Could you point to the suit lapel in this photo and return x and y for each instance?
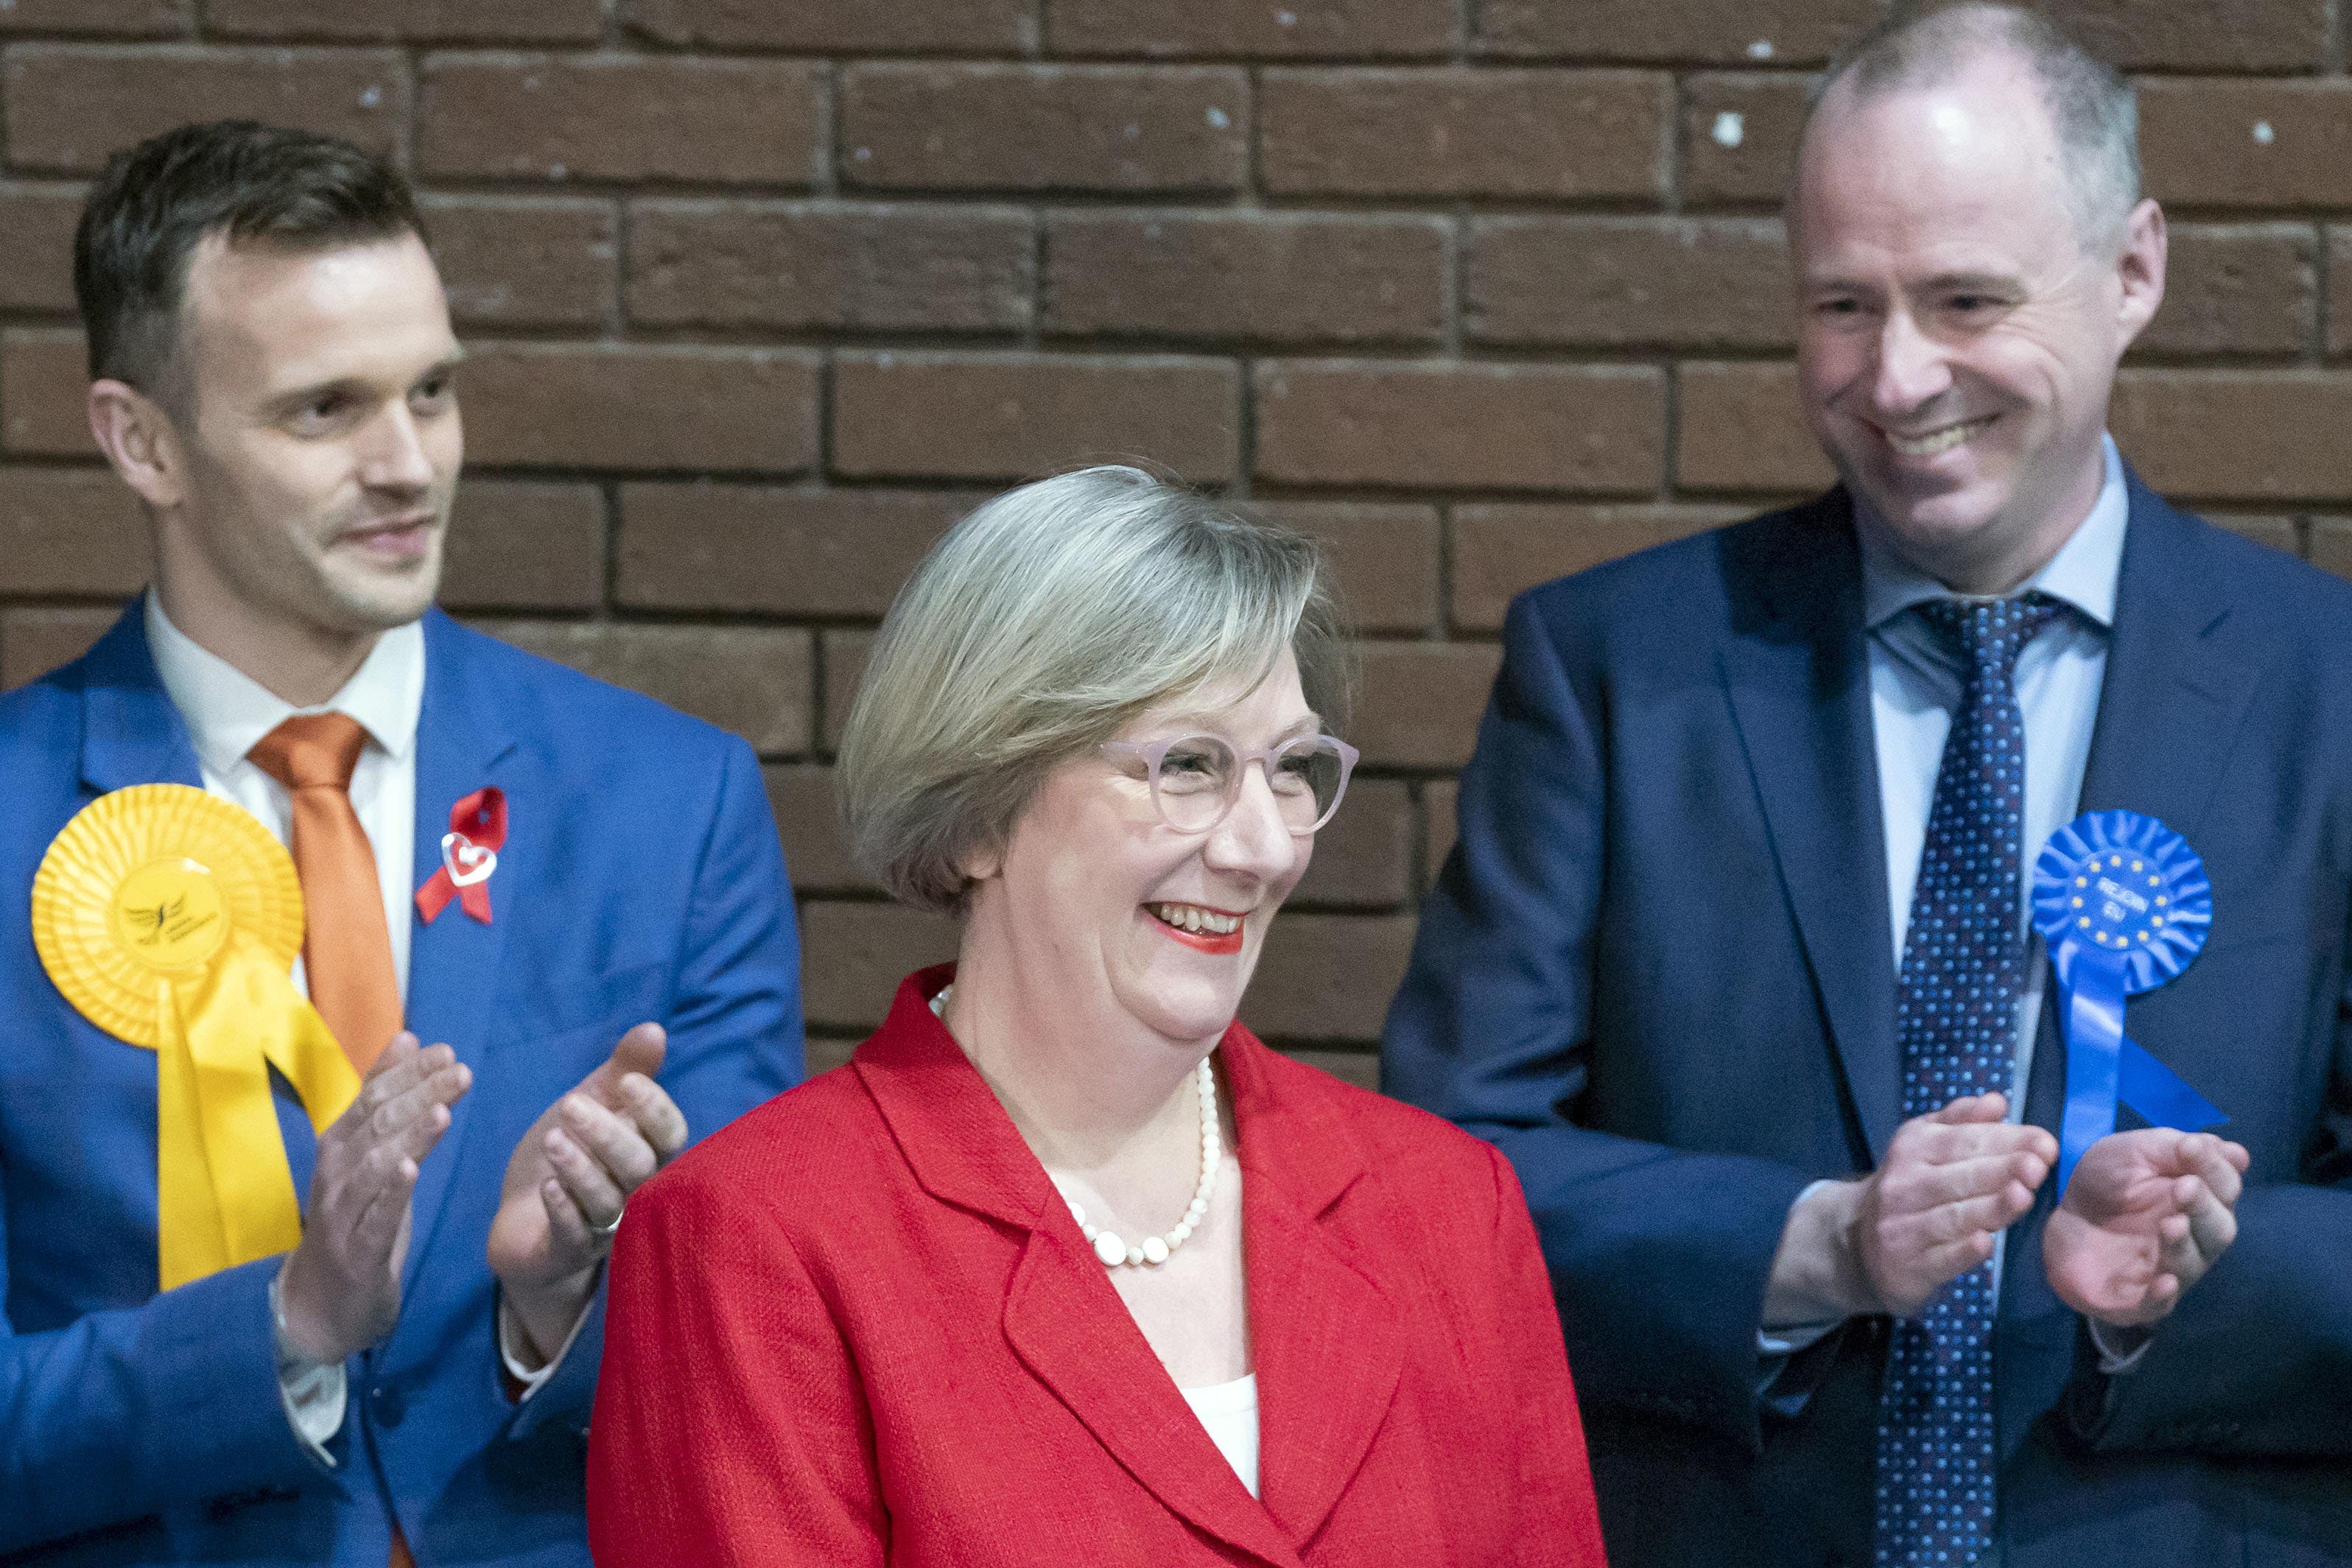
(131, 732)
(1062, 1316)
(453, 964)
(1323, 1338)
(2173, 695)
(1797, 676)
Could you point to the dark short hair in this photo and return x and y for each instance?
(2092, 107)
(244, 180)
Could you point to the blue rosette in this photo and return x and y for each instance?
(2123, 902)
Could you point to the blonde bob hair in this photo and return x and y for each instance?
(1035, 630)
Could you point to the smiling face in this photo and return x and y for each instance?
(1957, 338)
(319, 433)
(1112, 908)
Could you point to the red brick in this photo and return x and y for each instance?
(752, 680)
(44, 394)
(1569, 135)
(1364, 856)
(1739, 138)
(1383, 557)
(116, 18)
(2251, 436)
(2250, 145)
(70, 105)
(2331, 544)
(1360, 1067)
(1421, 702)
(411, 21)
(1009, 416)
(829, 26)
(519, 261)
(815, 851)
(1252, 30)
(517, 544)
(37, 230)
(1784, 32)
(1043, 128)
(803, 266)
(844, 654)
(853, 957)
(1328, 977)
(635, 408)
(1500, 427)
(1501, 550)
(1625, 282)
(2237, 289)
(1281, 278)
(613, 117)
(1743, 428)
(1439, 802)
(70, 532)
(771, 550)
(2191, 35)
(33, 642)
(2339, 291)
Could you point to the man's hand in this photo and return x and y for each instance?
(2146, 1214)
(567, 1179)
(340, 1290)
(1952, 1181)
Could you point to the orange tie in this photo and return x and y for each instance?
(346, 947)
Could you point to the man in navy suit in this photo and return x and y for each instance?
(572, 896)
(1733, 958)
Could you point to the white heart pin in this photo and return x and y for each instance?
(467, 861)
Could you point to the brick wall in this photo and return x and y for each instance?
(762, 292)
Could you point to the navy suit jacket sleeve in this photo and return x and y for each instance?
(734, 1024)
(138, 1409)
(1649, 1247)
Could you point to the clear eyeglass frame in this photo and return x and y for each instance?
(1153, 755)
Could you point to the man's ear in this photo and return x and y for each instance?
(2141, 267)
(139, 440)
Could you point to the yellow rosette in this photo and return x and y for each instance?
(170, 920)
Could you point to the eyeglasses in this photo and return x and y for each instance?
(1196, 779)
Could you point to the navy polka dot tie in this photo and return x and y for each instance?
(1955, 1015)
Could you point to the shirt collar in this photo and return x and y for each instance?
(227, 711)
(2082, 574)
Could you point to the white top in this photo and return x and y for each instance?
(1229, 1411)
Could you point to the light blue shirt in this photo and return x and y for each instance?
(1915, 686)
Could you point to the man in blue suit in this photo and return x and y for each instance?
(574, 894)
(1733, 960)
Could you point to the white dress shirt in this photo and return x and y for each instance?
(1916, 684)
(227, 713)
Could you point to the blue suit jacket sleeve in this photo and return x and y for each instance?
(125, 1413)
(734, 1022)
(1659, 1257)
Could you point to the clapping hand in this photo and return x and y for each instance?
(2146, 1214)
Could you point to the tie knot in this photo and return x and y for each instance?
(311, 751)
(1989, 631)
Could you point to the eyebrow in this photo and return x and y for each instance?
(1308, 724)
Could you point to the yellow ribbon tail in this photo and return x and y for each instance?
(225, 1193)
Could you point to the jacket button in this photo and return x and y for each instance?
(388, 1404)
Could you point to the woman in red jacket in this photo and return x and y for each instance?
(1065, 1266)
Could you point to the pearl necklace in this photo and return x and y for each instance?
(1154, 1250)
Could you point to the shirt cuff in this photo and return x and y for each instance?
(315, 1393)
(513, 1344)
(2120, 1349)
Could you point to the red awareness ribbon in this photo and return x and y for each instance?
(469, 854)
